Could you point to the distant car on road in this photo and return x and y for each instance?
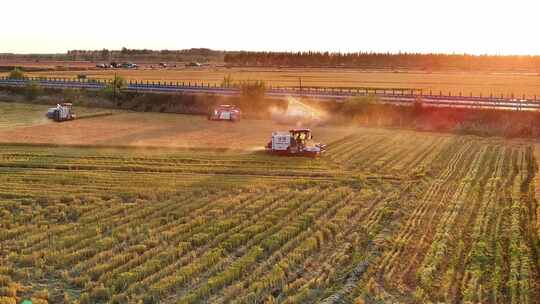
(163, 64)
(193, 64)
(129, 65)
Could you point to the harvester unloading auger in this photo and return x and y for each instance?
(296, 142)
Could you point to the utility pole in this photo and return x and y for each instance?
(114, 88)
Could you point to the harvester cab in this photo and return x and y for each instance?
(296, 142)
(225, 112)
(62, 112)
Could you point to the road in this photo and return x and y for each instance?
(323, 94)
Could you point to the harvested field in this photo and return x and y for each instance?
(158, 130)
(15, 115)
(47, 64)
(384, 216)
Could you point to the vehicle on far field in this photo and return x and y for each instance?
(129, 65)
(225, 112)
(163, 64)
(296, 142)
(62, 112)
(193, 64)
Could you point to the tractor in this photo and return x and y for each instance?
(62, 112)
(296, 142)
(225, 112)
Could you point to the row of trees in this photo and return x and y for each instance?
(201, 54)
(384, 60)
(306, 59)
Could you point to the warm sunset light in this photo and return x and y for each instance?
(462, 26)
(269, 152)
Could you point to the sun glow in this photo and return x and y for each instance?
(476, 27)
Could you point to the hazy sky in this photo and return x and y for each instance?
(495, 27)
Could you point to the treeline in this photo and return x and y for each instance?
(368, 60)
(198, 54)
(384, 60)
(37, 57)
(105, 55)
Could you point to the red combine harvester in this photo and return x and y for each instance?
(225, 112)
(296, 142)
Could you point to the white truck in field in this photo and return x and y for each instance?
(62, 112)
(296, 142)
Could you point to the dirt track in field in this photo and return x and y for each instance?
(159, 130)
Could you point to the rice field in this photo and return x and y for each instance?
(16, 115)
(384, 216)
(26, 124)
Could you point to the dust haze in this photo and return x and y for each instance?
(298, 114)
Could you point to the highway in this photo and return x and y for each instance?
(322, 94)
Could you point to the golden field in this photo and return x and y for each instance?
(454, 82)
(87, 215)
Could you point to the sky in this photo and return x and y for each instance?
(439, 26)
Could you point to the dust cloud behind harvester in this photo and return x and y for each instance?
(298, 113)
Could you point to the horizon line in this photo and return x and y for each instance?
(282, 51)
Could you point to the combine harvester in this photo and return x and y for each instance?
(296, 142)
(225, 112)
(62, 112)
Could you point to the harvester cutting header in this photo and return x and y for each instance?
(296, 142)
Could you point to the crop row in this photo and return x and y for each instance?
(457, 223)
(471, 233)
(390, 153)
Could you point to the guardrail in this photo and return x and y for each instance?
(396, 96)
